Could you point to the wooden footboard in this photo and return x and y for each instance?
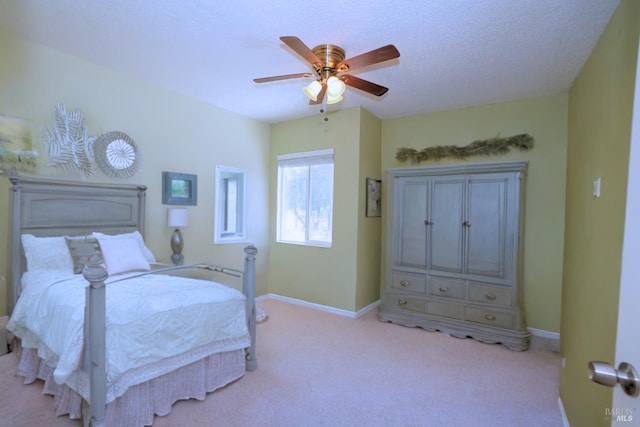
(94, 362)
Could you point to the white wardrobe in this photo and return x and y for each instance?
(454, 251)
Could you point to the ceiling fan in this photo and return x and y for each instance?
(331, 70)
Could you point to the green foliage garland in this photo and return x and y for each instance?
(490, 146)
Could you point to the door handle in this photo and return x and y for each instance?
(625, 375)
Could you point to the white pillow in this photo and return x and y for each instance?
(46, 253)
(148, 255)
(122, 255)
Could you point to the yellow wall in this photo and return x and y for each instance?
(546, 120)
(369, 228)
(173, 132)
(339, 276)
(317, 274)
(326, 276)
(600, 109)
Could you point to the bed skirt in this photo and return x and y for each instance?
(138, 405)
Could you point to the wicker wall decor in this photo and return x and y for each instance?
(70, 148)
(117, 155)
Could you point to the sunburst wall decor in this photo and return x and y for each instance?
(117, 155)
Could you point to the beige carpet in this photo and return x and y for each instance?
(320, 369)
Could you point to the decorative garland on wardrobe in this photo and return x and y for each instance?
(491, 146)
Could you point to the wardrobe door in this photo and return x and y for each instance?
(446, 218)
(413, 229)
(486, 226)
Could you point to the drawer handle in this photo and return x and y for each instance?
(490, 296)
(490, 317)
(443, 289)
(405, 283)
(402, 302)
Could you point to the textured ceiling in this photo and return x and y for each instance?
(454, 53)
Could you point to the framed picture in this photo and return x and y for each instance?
(179, 188)
(16, 148)
(374, 198)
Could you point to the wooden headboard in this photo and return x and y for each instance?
(53, 207)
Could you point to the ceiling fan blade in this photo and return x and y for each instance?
(375, 56)
(282, 77)
(301, 49)
(364, 85)
(320, 97)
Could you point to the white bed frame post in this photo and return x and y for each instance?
(95, 343)
(248, 288)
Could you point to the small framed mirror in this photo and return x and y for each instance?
(230, 209)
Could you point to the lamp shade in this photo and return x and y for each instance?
(177, 217)
(334, 99)
(313, 90)
(335, 87)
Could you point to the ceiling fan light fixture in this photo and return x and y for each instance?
(330, 67)
(335, 87)
(334, 99)
(312, 90)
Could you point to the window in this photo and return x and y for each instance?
(229, 226)
(305, 198)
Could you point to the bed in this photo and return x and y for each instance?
(109, 331)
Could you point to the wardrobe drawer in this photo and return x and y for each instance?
(500, 319)
(444, 309)
(401, 301)
(446, 287)
(498, 295)
(408, 281)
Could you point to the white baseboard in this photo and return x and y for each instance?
(565, 420)
(544, 334)
(545, 339)
(326, 308)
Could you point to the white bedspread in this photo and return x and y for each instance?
(155, 324)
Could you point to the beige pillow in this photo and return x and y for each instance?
(81, 248)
